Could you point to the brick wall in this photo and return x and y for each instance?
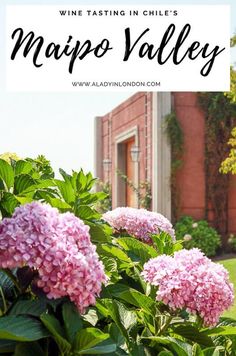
(191, 176)
(137, 111)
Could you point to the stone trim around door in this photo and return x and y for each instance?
(119, 198)
(161, 164)
(98, 148)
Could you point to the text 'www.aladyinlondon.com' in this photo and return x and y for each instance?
(121, 84)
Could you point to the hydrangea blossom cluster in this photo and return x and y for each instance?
(139, 223)
(191, 281)
(58, 246)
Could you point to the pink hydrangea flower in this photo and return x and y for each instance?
(191, 281)
(58, 246)
(139, 223)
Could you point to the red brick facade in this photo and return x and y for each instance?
(191, 176)
(134, 112)
(137, 112)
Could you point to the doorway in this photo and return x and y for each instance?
(124, 193)
(130, 194)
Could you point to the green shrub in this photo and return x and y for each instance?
(232, 242)
(105, 204)
(198, 234)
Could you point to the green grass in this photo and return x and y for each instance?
(230, 265)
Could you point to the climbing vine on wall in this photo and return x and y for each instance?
(176, 138)
(220, 118)
(142, 191)
(219, 121)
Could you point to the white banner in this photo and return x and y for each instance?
(110, 48)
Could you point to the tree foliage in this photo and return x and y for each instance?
(229, 164)
(232, 93)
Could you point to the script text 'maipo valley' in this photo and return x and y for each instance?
(76, 50)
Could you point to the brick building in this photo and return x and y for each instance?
(136, 126)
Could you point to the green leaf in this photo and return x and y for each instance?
(131, 296)
(213, 351)
(87, 339)
(136, 349)
(119, 352)
(40, 184)
(67, 177)
(66, 190)
(23, 200)
(6, 173)
(165, 353)
(111, 268)
(81, 181)
(103, 348)
(53, 325)
(29, 307)
(6, 284)
(116, 335)
(196, 350)
(112, 251)
(99, 196)
(97, 232)
(55, 303)
(123, 317)
(84, 212)
(22, 183)
(110, 265)
(221, 330)
(137, 250)
(90, 181)
(57, 203)
(23, 167)
(192, 333)
(226, 321)
(163, 242)
(177, 246)
(175, 345)
(7, 346)
(9, 202)
(29, 349)
(88, 198)
(21, 328)
(2, 186)
(72, 320)
(101, 307)
(73, 180)
(91, 316)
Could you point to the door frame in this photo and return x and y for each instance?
(120, 162)
(161, 161)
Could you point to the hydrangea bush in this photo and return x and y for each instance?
(58, 247)
(74, 282)
(191, 281)
(139, 223)
(198, 234)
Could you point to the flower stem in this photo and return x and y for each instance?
(3, 301)
(166, 325)
(199, 322)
